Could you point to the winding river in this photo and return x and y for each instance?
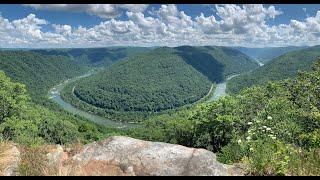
(54, 95)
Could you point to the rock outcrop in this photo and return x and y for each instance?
(128, 156)
(125, 156)
(9, 161)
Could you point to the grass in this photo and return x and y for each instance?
(34, 161)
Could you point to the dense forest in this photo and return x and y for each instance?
(282, 67)
(27, 116)
(264, 55)
(38, 72)
(27, 123)
(149, 82)
(216, 62)
(272, 129)
(95, 56)
(163, 79)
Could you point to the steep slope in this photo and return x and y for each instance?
(96, 56)
(163, 79)
(216, 62)
(149, 82)
(264, 55)
(38, 72)
(282, 67)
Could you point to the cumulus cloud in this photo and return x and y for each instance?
(101, 10)
(229, 25)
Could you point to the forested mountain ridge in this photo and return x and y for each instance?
(38, 72)
(282, 67)
(149, 82)
(272, 129)
(162, 79)
(95, 56)
(216, 62)
(264, 55)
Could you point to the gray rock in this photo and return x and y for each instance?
(128, 156)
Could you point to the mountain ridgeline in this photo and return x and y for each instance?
(264, 55)
(38, 72)
(162, 79)
(96, 56)
(282, 67)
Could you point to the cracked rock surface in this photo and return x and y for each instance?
(120, 155)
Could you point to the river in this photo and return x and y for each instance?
(54, 95)
(221, 89)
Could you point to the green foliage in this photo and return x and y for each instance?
(282, 67)
(27, 123)
(272, 129)
(154, 82)
(143, 84)
(96, 56)
(12, 97)
(264, 55)
(38, 72)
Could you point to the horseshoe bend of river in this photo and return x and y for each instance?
(54, 95)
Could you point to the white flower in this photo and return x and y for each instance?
(239, 141)
(248, 138)
(258, 121)
(268, 129)
(269, 118)
(264, 127)
(249, 123)
(273, 137)
(251, 149)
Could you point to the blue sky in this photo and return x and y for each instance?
(153, 25)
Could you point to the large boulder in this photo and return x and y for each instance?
(128, 156)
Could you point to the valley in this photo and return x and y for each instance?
(183, 81)
(168, 95)
(54, 95)
(160, 89)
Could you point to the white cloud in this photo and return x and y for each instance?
(101, 10)
(230, 25)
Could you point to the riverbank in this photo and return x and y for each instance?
(220, 90)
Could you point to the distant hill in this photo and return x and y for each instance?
(282, 67)
(216, 62)
(38, 72)
(264, 55)
(95, 56)
(162, 79)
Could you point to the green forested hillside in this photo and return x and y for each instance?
(162, 79)
(264, 55)
(26, 123)
(96, 56)
(38, 72)
(282, 67)
(216, 62)
(149, 82)
(272, 129)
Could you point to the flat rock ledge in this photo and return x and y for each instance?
(123, 156)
